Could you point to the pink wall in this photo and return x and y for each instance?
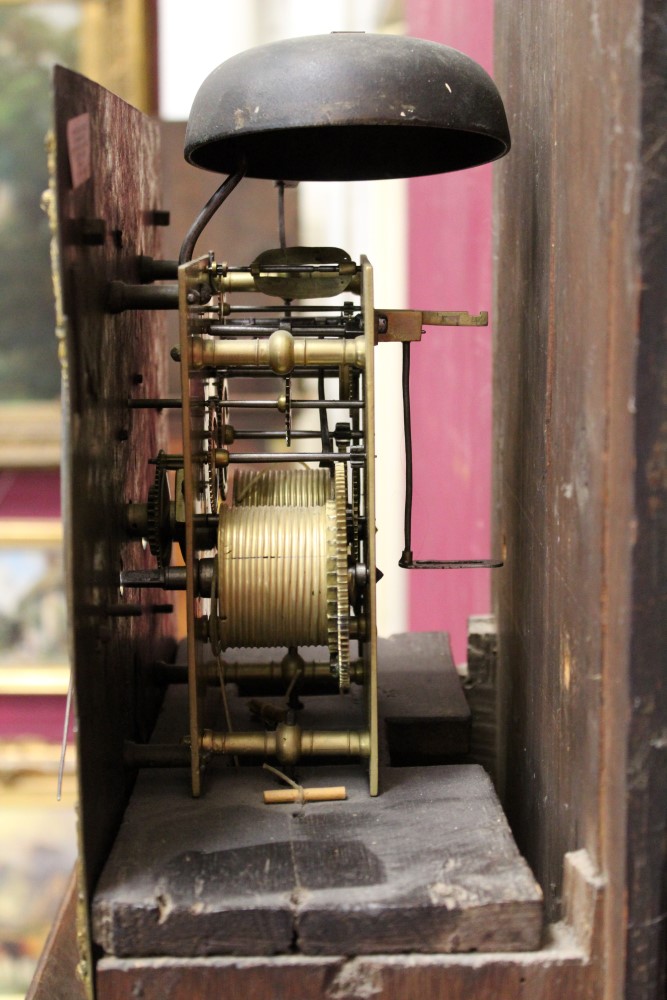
(39, 717)
(450, 268)
(29, 493)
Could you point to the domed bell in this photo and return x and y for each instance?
(347, 106)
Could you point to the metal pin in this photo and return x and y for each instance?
(63, 746)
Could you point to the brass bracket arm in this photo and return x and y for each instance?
(401, 326)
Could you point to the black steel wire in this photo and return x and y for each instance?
(325, 433)
(406, 557)
(207, 213)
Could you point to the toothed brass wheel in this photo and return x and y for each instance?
(158, 516)
(338, 600)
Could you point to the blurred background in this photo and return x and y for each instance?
(430, 242)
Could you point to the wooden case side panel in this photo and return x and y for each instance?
(567, 301)
(646, 971)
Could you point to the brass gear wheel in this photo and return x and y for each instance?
(338, 600)
(158, 516)
(213, 479)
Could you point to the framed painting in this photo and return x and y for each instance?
(37, 854)
(33, 613)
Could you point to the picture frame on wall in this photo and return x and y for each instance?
(33, 613)
(30, 435)
(38, 846)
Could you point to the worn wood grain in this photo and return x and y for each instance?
(580, 458)
(429, 865)
(481, 692)
(566, 322)
(559, 970)
(424, 715)
(568, 964)
(105, 222)
(646, 972)
(56, 977)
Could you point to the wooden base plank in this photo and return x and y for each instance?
(568, 964)
(424, 715)
(558, 970)
(429, 866)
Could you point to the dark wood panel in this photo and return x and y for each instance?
(554, 975)
(481, 692)
(647, 744)
(55, 977)
(579, 458)
(561, 968)
(424, 716)
(428, 866)
(106, 220)
(564, 360)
